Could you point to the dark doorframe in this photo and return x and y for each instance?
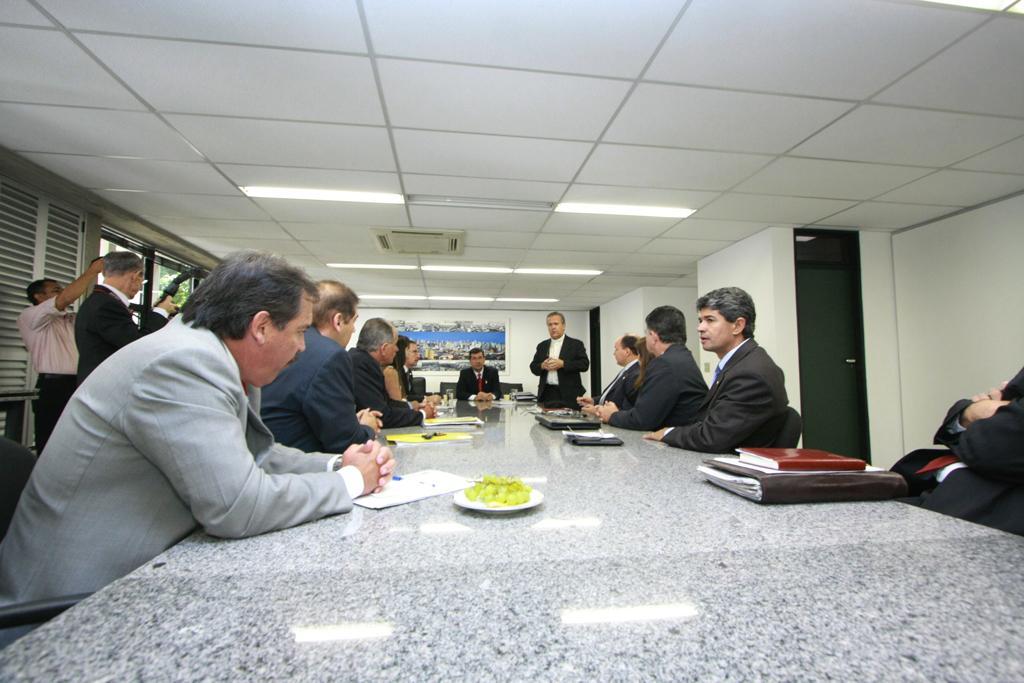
(830, 329)
(595, 355)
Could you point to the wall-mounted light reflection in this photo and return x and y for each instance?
(350, 631)
(617, 615)
(443, 528)
(571, 523)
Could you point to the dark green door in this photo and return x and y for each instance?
(830, 332)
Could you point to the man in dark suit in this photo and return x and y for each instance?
(622, 390)
(673, 388)
(479, 381)
(747, 402)
(981, 477)
(558, 362)
(376, 347)
(311, 404)
(104, 323)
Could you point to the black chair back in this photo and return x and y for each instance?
(16, 463)
(509, 387)
(789, 434)
(448, 386)
(419, 386)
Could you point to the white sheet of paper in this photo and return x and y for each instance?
(413, 487)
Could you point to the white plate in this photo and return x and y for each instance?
(536, 498)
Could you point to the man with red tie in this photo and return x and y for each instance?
(981, 477)
(478, 382)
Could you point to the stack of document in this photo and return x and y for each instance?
(448, 421)
(592, 438)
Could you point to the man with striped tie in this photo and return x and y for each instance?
(621, 390)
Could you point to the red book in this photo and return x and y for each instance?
(799, 459)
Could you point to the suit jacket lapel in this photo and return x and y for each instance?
(740, 354)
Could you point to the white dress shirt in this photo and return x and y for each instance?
(553, 352)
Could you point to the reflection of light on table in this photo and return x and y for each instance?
(618, 615)
(401, 530)
(350, 631)
(571, 523)
(443, 528)
(534, 480)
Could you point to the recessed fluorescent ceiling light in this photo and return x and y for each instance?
(466, 269)
(555, 271)
(995, 5)
(625, 210)
(381, 266)
(322, 195)
(409, 297)
(538, 301)
(460, 298)
(477, 202)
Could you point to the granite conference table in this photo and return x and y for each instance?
(633, 568)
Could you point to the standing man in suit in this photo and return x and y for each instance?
(981, 477)
(558, 362)
(104, 323)
(622, 389)
(168, 438)
(311, 405)
(478, 382)
(375, 348)
(47, 328)
(747, 402)
(673, 388)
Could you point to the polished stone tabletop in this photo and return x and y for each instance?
(633, 568)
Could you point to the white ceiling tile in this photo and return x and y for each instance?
(482, 188)
(623, 244)
(196, 227)
(314, 24)
(753, 207)
(482, 100)
(956, 188)
(649, 196)
(70, 130)
(509, 256)
(323, 179)
(20, 12)
(285, 143)
(488, 155)
(668, 168)
(835, 179)
(552, 258)
(1008, 158)
(201, 78)
(886, 216)
(953, 79)
(499, 240)
(34, 67)
(157, 204)
(435, 277)
(355, 237)
(464, 287)
(615, 38)
(703, 229)
(343, 213)
(589, 224)
(908, 136)
(684, 247)
(840, 48)
(633, 281)
(640, 262)
(105, 173)
(225, 245)
(675, 269)
(703, 118)
(476, 219)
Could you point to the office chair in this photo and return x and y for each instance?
(419, 386)
(448, 386)
(789, 433)
(16, 463)
(510, 387)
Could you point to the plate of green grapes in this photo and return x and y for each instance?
(493, 493)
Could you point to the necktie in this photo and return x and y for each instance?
(611, 384)
(937, 464)
(718, 371)
(480, 381)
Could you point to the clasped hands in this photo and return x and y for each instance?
(374, 462)
(552, 364)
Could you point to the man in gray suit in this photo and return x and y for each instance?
(166, 436)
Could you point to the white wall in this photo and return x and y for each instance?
(959, 304)
(763, 265)
(525, 329)
(881, 351)
(627, 313)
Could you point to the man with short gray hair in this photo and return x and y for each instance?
(167, 438)
(375, 348)
(104, 323)
(747, 403)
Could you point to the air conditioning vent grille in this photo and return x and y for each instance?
(402, 241)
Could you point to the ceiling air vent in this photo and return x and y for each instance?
(420, 241)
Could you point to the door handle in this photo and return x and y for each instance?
(851, 361)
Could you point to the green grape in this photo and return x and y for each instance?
(497, 491)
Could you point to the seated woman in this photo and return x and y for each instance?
(398, 375)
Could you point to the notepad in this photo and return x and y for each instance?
(413, 487)
(419, 438)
